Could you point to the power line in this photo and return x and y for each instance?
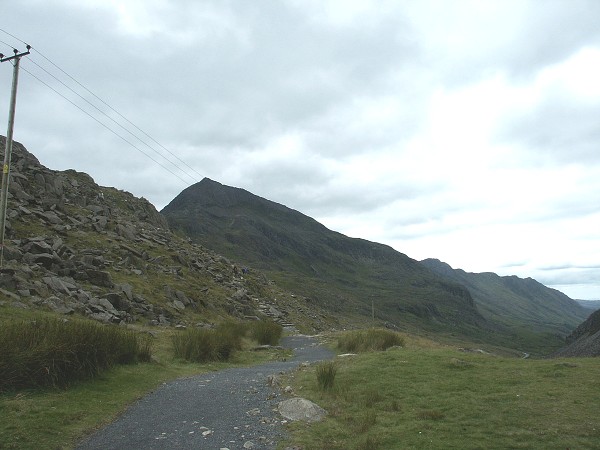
(103, 124)
(119, 114)
(13, 36)
(6, 43)
(109, 117)
(112, 120)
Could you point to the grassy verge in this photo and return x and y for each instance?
(59, 418)
(48, 351)
(425, 396)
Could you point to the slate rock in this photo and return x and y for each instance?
(301, 409)
(178, 305)
(118, 301)
(126, 231)
(56, 284)
(99, 278)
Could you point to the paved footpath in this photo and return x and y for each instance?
(231, 409)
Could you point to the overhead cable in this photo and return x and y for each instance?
(37, 52)
(103, 124)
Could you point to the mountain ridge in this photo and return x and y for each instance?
(346, 274)
(293, 247)
(74, 247)
(517, 303)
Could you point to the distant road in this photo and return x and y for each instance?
(225, 409)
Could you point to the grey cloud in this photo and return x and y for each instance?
(556, 131)
(552, 33)
(569, 276)
(541, 35)
(560, 267)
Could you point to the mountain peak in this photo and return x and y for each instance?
(208, 192)
(302, 255)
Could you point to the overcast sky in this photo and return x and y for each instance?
(466, 131)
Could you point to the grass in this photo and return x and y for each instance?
(266, 332)
(59, 418)
(326, 372)
(369, 340)
(201, 345)
(434, 397)
(46, 351)
(219, 344)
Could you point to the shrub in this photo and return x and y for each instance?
(369, 340)
(53, 352)
(266, 332)
(219, 344)
(201, 345)
(326, 372)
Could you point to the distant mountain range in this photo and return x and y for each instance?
(351, 276)
(521, 306)
(589, 304)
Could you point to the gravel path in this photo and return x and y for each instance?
(230, 409)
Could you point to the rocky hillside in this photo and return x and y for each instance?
(75, 247)
(343, 275)
(585, 340)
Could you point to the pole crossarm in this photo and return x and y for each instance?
(16, 55)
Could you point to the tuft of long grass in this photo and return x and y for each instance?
(326, 372)
(219, 344)
(53, 352)
(369, 340)
(204, 345)
(266, 332)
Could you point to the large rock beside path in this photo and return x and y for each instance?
(301, 409)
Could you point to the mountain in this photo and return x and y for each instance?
(589, 304)
(584, 340)
(521, 306)
(73, 247)
(344, 275)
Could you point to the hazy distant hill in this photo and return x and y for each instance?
(589, 304)
(521, 305)
(343, 274)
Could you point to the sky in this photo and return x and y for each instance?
(466, 131)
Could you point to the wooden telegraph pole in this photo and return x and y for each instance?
(9, 138)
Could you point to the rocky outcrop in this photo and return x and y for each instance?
(584, 340)
(74, 247)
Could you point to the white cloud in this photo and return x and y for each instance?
(464, 130)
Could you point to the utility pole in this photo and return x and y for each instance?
(373, 311)
(9, 138)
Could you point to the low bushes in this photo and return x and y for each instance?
(202, 345)
(265, 333)
(369, 340)
(53, 352)
(219, 344)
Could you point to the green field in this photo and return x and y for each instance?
(428, 396)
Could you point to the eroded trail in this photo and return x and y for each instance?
(225, 409)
